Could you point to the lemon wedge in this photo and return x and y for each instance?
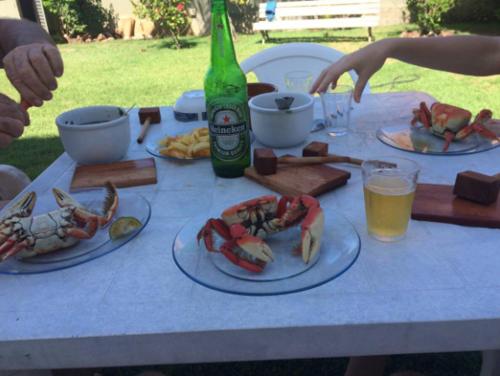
(123, 226)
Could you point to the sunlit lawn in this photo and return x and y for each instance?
(150, 73)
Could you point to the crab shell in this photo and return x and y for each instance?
(447, 117)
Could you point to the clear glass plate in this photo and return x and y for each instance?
(286, 274)
(421, 141)
(129, 205)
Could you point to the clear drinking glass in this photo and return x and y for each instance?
(389, 185)
(336, 105)
(299, 81)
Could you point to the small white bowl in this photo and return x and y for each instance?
(281, 128)
(95, 134)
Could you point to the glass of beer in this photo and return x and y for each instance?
(389, 186)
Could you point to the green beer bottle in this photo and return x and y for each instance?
(227, 101)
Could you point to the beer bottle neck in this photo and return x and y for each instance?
(222, 53)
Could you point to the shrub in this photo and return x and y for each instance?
(169, 16)
(474, 11)
(427, 14)
(243, 14)
(76, 17)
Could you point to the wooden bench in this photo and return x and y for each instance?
(319, 14)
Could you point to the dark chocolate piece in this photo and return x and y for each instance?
(150, 112)
(477, 187)
(315, 149)
(265, 161)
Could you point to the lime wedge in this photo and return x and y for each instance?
(123, 226)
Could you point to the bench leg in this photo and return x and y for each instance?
(265, 36)
(370, 35)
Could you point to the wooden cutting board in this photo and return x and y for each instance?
(437, 203)
(297, 180)
(122, 174)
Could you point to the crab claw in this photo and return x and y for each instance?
(23, 207)
(312, 230)
(477, 128)
(248, 252)
(109, 207)
(422, 115)
(256, 247)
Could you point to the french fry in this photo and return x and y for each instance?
(191, 145)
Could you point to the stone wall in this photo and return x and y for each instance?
(8, 9)
(392, 12)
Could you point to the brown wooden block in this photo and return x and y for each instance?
(477, 187)
(293, 180)
(315, 149)
(265, 161)
(122, 174)
(437, 203)
(150, 112)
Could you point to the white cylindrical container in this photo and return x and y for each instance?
(281, 128)
(95, 134)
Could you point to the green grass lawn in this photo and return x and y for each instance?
(149, 73)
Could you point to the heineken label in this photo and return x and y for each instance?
(228, 131)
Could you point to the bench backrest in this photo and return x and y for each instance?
(334, 8)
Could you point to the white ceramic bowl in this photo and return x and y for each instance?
(95, 134)
(281, 128)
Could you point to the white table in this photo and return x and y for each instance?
(437, 290)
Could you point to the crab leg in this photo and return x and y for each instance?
(81, 233)
(206, 232)
(11, 247)
(449, 136)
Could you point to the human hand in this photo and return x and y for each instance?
(13, 118)
(365, 62)
(32, 69)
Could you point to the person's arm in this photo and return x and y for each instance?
(15, 33)
(472, 55)
(30, 58)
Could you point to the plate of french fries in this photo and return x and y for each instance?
(191, 145)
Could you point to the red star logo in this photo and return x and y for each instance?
(226, 119)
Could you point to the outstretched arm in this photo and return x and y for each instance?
(471, 55)
(30, 58)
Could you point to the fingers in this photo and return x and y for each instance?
(12, 120)
(327, 77)
(10, 129)
(55, 59)
(42, 68)
(10, 109)
(32, 69)
(360, 87)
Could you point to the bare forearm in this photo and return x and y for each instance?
(15, 33)
(472, 55)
